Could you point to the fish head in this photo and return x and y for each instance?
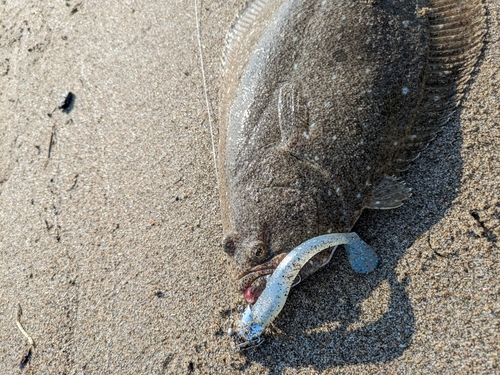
(253, 260)
(268, 224)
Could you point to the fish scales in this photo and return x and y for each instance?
(323, 105)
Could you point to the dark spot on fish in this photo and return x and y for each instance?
(340, 55)
(69, 102)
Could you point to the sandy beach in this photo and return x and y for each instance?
(110, 228)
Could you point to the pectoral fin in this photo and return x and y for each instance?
(389, 193)
(292, 113)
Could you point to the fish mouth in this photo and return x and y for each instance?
(253, 281)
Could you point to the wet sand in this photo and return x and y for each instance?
(110, 224)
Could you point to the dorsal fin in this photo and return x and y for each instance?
(456, 33)
(242, 25)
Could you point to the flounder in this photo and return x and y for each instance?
(323, 105)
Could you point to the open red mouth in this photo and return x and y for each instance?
(253, 281)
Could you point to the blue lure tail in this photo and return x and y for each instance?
(361, 256)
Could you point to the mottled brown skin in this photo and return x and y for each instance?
(321, 103)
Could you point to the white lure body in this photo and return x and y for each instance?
(256, 318)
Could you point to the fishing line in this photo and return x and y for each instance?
(207, 103)
(230, 319)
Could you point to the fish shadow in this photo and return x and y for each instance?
(338, 317)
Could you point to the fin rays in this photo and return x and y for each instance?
(243, 25)
(456, 33)
(389, 194)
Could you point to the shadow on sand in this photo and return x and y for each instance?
(323, 324)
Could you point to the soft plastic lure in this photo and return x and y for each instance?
(256, 318)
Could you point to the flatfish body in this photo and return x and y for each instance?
(323, 105)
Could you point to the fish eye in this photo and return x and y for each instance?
(258, 252)
(229, 246)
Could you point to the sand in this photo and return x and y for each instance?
(110, 224)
